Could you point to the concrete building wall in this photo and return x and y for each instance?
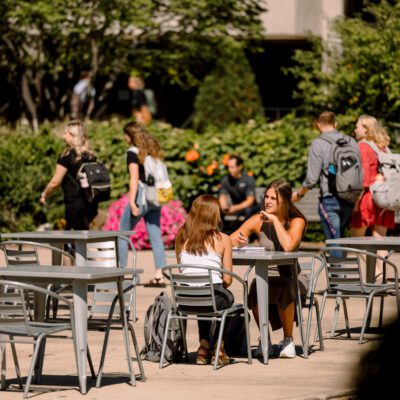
(294, 19)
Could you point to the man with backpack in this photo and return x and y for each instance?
(333, 162)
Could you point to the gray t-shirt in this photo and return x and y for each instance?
(238, 189)
(318, 161)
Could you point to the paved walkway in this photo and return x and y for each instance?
(328, 374)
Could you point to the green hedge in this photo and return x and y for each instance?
(27, 161)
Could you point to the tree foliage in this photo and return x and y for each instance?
(228, 94)
(44, 45)
(357, 70)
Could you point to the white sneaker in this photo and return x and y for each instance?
(257, 353)
(288, 349)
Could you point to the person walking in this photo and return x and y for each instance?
(141, 144)
(79, 213)
(334, 212)
(83, 95)
(366, 213)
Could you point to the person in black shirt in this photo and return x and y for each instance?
(78, 212)
(237, 194)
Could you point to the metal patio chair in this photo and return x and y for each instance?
(345, 281)
(193, 298)
(16, 325)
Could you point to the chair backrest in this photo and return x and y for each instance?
(104, 254)
(344, 270)
(196, 290)
(15, 304)
(22, 252)
(311, 269)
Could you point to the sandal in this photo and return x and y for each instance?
(155, 282)
(223, 358)
(203, 356)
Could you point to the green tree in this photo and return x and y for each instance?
(229, 93)
(43, 44)
(358, 69)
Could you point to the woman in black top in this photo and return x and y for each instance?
(78, 212)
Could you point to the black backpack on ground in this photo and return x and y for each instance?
(93, 179)
(235, 336)
(154, 331)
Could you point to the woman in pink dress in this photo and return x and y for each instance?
(366, 214)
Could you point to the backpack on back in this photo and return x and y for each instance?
(345, 177)
(158, 187)
(386, 194)
(154, 332)
(93, 179)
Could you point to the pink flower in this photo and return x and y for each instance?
(173, 215)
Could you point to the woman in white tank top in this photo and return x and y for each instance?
(200, 242)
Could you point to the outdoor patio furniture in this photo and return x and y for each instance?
(345, 281)
(193, 298)
(16, 324)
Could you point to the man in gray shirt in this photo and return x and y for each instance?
(333, 211)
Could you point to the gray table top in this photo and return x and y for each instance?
(65, 235)
(69, 273)
(267, 255)
(388, 242)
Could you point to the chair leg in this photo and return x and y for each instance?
(309, 319)
(164, 345)
(366, 318)
(32, 366)
(335, 316)
(39, 366)
(183, 330)
(90, 362)
(319, 326)
(316, 336)
(381, 311)
(3, 366)
(137, 351)
(217, 349)
(103, 356)
(346, 318)
(17, 370)
(247, 328)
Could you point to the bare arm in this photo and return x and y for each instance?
(226, 259)
(300, 193)
(223, 202)
(288, 239)
(250, 200)
(133, 187)
(54, 183)
(240, 236)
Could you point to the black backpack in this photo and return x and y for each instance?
(94, 181)
(235, 336)
(154, 331)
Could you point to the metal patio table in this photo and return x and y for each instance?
(79, 278)
(262, 260)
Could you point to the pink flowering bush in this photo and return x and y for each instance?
(173, 215)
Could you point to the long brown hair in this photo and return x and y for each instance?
(201, 227)
(283, 191)
(375, 131)
(146, 143)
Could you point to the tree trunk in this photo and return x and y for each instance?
(27, 97)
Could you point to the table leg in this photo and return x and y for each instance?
(3, 367)
(263, 305)
(80, 253)
(370, 267)
(80, 314)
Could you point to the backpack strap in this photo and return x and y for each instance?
(372, 145)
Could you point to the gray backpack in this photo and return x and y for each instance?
(386, 194)
(154, 331)
(345, 177)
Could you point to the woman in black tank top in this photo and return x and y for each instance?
(280, 227)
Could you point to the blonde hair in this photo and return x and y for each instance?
(80, 141)
(375, 131)
(146, 143)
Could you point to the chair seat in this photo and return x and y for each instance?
(236, 307)
(36, 329)
(356, 289)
